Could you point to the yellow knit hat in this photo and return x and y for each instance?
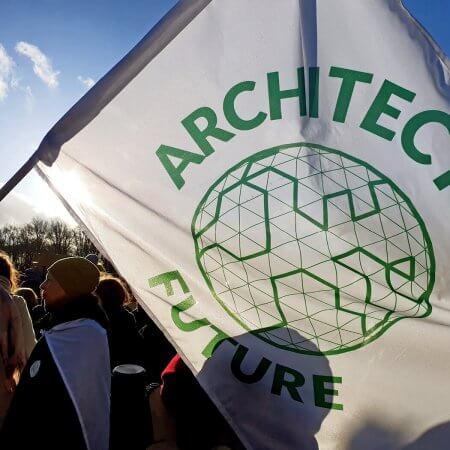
(76, 275)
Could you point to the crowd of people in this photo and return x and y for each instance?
(62, 341)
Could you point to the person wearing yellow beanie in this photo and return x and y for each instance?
(68, 373)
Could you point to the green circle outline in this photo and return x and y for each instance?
(274, 150)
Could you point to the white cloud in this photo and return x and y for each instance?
(3, 89)
(29, 98)
(88, 82)
(17, 209)
(7, 78)
(42, 65)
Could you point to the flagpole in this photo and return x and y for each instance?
(19, 175)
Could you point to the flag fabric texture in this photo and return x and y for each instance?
(272, 179)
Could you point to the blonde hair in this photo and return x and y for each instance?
(8, 270)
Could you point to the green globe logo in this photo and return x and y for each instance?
(308, 239)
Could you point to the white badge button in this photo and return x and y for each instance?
(34, 369)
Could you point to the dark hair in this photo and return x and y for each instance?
(8, 270)
(112, 292)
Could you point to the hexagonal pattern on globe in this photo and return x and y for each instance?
(310, 248)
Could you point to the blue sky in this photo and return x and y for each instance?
(56, 48)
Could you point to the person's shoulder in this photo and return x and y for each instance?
(40, 351)
(129, 316)
(18, 298)
(123, 317)
(20, 303)
(78, 337)
(79, 326)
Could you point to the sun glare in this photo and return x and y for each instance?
(71, 186)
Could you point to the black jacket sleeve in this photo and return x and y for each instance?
(42, 414)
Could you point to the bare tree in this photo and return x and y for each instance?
(42, 239)
(11, 242)
(82, 245)
(37, 234)
(59, 237)
(9, 236)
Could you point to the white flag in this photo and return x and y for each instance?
(274, 176)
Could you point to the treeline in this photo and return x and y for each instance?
(25, 242)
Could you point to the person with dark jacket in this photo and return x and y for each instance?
(199, 427)
(67, 377)
(158, 351)
(125, 343)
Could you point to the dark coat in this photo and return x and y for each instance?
(158, 351)
(64, 386)
(126, 345)
(41, 415)
(199, 424)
